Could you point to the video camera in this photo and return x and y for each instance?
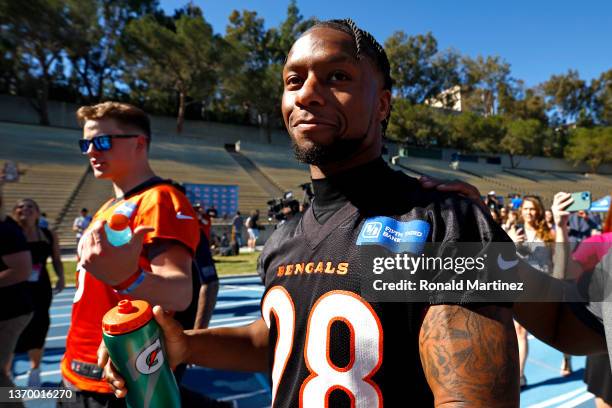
(280, 209)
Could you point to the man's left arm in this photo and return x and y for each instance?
(470, 356)
(169, 282)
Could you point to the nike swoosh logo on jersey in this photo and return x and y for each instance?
(503, 264)
(181, 216)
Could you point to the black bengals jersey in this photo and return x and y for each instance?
(328, 345)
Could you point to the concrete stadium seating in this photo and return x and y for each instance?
(279, 165)
(193, 161)
(505, 181)
(49, 162)
(57, 176)
(90, 194)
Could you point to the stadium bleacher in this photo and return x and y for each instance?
(59, 179)
(194, 161)
(49, 164)
(90, 194)
(57, 176)
(485, 178)
(506, 181)
(279, 164)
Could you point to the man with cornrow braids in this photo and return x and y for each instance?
(321, 340)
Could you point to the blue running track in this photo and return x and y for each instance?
(238, 304)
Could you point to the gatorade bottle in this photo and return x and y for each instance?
(135, 345)
(118, 231)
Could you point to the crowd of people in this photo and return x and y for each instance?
(35, 292)
(538, 232)
(320, 340)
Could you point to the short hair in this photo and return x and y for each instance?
(123, 113)
(365, 43)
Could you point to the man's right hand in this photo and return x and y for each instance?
(176, 348)
(454, 186)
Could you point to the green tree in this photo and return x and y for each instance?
(417, 125)
(253, 80)
(491, 131)
(38, 30)
(484, 79)
(590, 145)
(522, 137)
(602, 98)
(462, 129)
(249, 83)
(567, 95)
(520, 103)
(182, 61)
(10, 75)
(471, 132)
(419, 70)
(93, 47)
(289, 30)
(554, 141)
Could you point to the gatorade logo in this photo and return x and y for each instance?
(150, 359)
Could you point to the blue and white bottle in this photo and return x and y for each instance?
(118, 231)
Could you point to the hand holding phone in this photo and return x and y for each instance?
(582, 201)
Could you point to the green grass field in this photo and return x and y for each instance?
(242, 264)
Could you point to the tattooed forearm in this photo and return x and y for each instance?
(470, 356)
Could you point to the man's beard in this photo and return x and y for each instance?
(318, 154)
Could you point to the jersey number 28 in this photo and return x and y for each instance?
(365, 347)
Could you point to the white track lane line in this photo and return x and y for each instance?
(558, 399)
(42, 374)
(229, 305)
(241, 396)
(578, 400)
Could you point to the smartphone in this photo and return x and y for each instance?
(582, 201)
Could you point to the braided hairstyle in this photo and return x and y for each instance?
(365, 44)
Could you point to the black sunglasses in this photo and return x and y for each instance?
(102, 143)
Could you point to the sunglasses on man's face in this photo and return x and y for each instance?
(101, 143)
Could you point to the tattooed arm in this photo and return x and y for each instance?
(470, 356)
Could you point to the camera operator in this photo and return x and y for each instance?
(283, 209)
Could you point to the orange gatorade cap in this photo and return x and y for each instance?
(118, 222)
(127, 316)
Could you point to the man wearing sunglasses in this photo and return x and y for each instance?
(155, 265)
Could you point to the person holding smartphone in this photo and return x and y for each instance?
(534, 241)
(588, 253)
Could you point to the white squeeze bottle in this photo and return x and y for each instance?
(118, 231)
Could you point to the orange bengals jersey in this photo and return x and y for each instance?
(161, 206)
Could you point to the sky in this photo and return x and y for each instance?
(538, 38)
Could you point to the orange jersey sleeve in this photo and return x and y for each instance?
(168, 211)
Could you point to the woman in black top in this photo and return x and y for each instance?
(42, 244)
(15, 300)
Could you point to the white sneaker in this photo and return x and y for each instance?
(34, 377)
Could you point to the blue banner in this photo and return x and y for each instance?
(601, 205)
(223, 197)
